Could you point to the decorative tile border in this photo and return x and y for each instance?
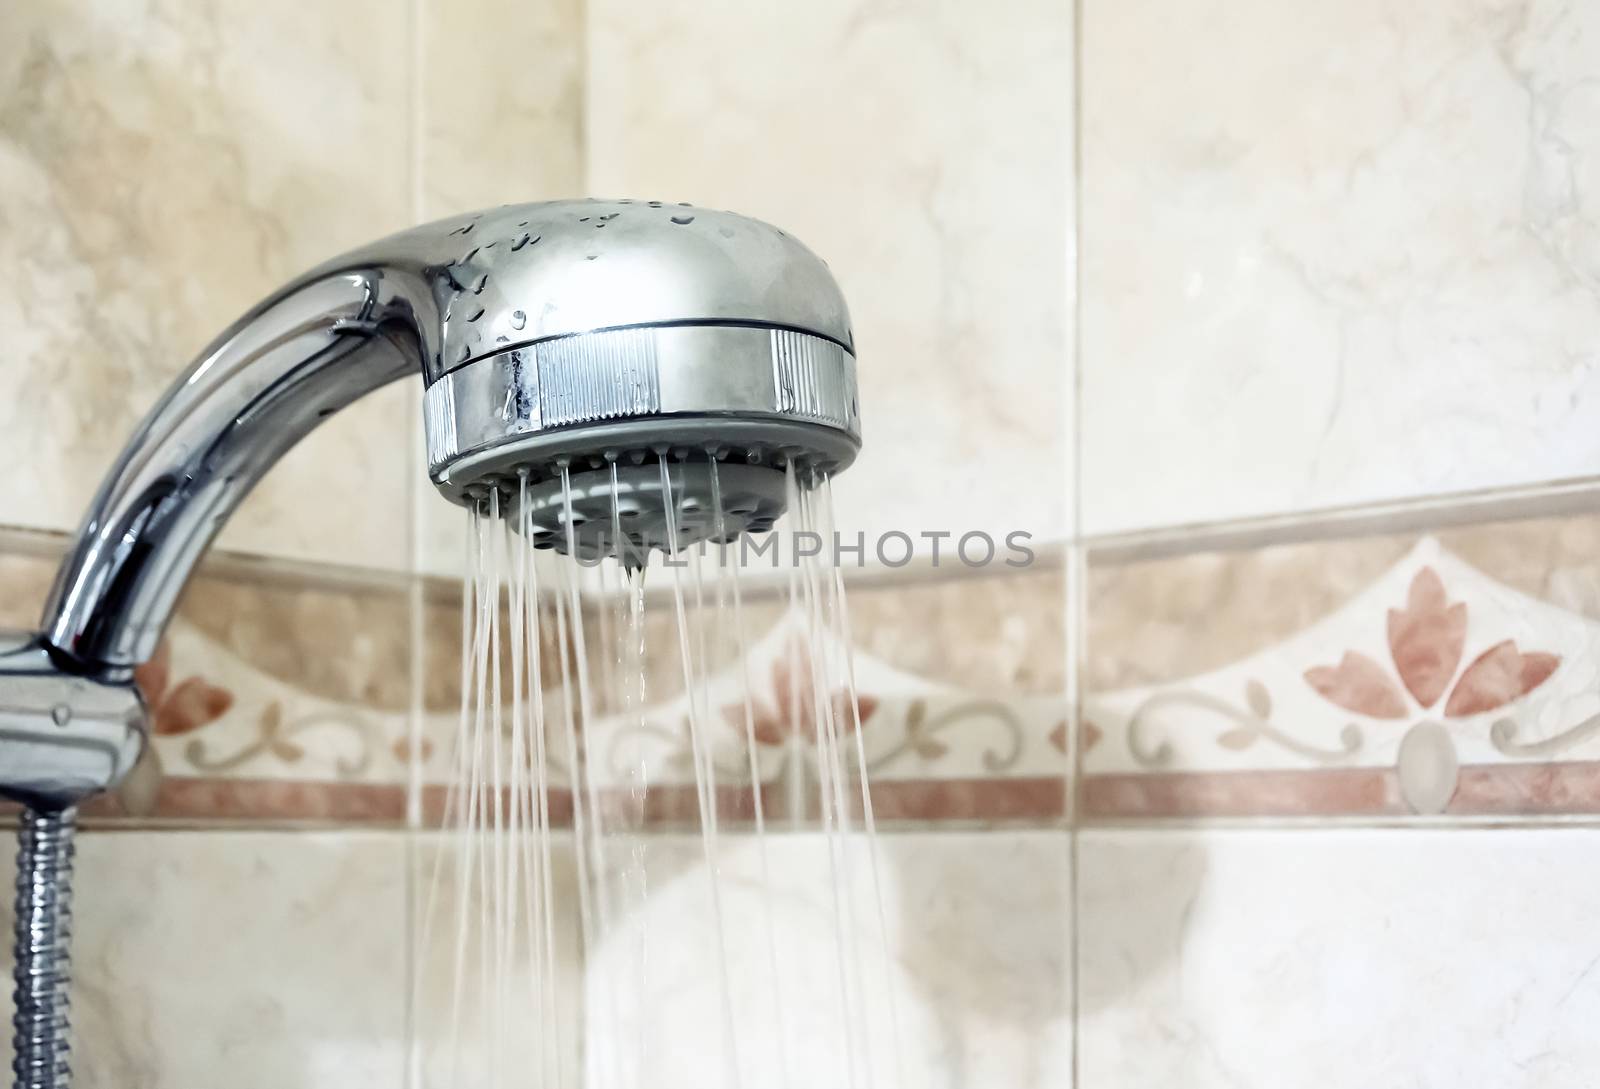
(280, 694)
(933, 751)
(1386, 676)
(1443, 686)
(283, 695)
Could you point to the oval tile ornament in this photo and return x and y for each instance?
(1427, 767)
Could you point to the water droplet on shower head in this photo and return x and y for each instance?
(518, 319)
(525, 240)
(482, 282)
(478, 314)
(683, 221)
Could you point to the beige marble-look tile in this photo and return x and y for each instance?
(166, 165)
(502, 123)
(922, 150)
(1442, 960)
(1335, 253)
(479, 1009)
(977, 973)
(245, 959)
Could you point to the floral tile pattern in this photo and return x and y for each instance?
(277, 697)
(274, 697)
(931, 750)
(1436, 689)
(1447, 674)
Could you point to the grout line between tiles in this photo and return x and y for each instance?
(1155, 826)
(1444, 823)
(416, 602)
(1076, 610)
(1552, 498)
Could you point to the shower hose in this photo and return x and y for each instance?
(43, 931)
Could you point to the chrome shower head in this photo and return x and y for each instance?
(597, 338)
(569, 350)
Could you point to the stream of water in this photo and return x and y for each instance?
(655, 861)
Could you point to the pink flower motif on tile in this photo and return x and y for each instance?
(1496, 677)
(1089, 736)
(792, 708)
(1358, 684)
(178, 708)
(1426, 639)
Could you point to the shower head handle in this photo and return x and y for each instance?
(547, 335)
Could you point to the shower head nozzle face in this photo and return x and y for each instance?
(584, 334)
(628, 511)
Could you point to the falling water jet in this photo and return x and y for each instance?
(583, 779)
(494, 921)
(841, 614)
(472, 750)
(802, 602)
(549, 1008)
(781, 1052)
(520, 814)
(708, 804)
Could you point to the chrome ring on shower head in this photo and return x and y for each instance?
(773, 392)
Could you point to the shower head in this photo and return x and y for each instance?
(581, 343)
(584, 356)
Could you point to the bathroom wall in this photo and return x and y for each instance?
(1272, 323)
(1336, 349)
(243, 911)
(926, 152)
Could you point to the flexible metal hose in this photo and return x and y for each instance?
(43, 931)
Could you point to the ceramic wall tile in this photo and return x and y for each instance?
(925, 153)
(1445, 672)
(959, 712)
(485, 1005)
(246, 959)
(273, 697)
(1428, 958)
(501, 123)
(278, 695)
(1334, 253)
(163, 173)
(975, 976)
